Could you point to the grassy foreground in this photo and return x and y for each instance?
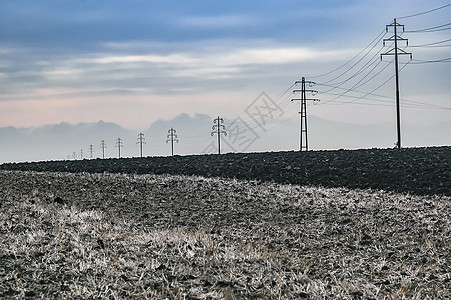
(178, 237)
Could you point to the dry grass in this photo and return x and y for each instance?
(178, 237)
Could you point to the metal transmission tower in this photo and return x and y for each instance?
(141, 141)
(218, 129)
(103, 146)
(396, 52)
(303, 140)
(81, 153)
(119, 145)
(172, 137)
(91, 150)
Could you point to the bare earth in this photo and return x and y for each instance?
(185, 237)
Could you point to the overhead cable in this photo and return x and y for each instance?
(377, 39)
(424, 12)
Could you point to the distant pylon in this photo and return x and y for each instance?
(172, 137)
(91, 150)
(218, 129)
(119, 145)
(103, 146)
(303, 134)
(141, 141)
(396, 52)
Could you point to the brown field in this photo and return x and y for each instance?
(185, 237)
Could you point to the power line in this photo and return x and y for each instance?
(425, 12)
(420, 61)
(437, 46)
(349, 69)
(444, 43)
(353, 89)
(386, 99)
(358, 84)
(436, 30)
(375, 41)
(407, 103)
(362, 69)
(374, 76)
(371, 68)
(252, 123)
(431, 29)
(372, 91)
(431, 44)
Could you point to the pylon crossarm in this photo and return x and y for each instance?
(300, 81)
(394, 23)
(389, 52)
(304, 99)
(400, 52)
(397, 37)
(307, 91)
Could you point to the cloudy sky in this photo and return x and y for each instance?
(135, 62)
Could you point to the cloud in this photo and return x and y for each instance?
(279, 55)
(192, 57)
(229, 57)
(150, 58)
(216, 22)
(118, 67)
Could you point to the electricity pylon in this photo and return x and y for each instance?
(141, 141)
(396, 52)
(172, 137)
(303, 140)
(91, 150)
(218, 129)
(119, 145)
(81, 153)
(103, 146)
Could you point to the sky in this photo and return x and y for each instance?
(139, 62)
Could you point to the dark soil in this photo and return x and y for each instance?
(127, 236)
(421, 171)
